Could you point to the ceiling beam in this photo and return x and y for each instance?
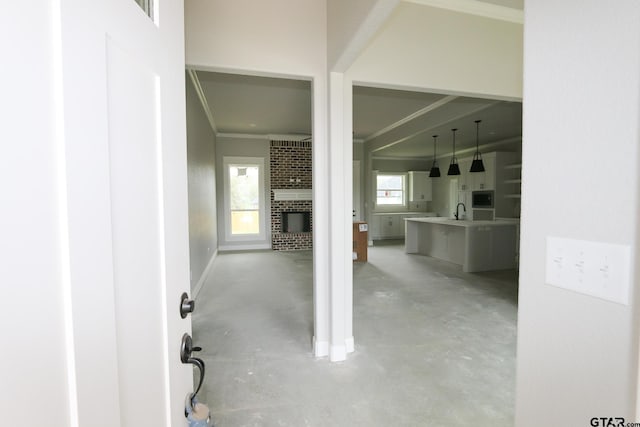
(439, 103)
(426, 123)
(479, 8)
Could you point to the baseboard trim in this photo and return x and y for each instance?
(320, 348)
(338, 353)
(203, 277)
(226, 248)
(350, 345)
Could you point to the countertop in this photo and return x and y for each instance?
(406, 213)
(464, 223)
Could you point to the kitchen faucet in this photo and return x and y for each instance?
(464, 209)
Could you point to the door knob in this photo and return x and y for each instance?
(186, 305)
(186, 348)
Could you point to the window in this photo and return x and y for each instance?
(147, 7)
(244, 198)
(244, 189)
(390, 189)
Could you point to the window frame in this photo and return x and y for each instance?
(249, 162)
(405, 190)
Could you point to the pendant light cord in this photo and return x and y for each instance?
(478, 138)
(435, 141)
(454, 144)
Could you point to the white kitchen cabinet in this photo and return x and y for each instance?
(465, 179)
(392, 225)
(419, 186)
(388, 226)
(484, 180)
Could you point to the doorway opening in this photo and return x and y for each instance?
(435, 301)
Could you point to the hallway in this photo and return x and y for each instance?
(434, 346)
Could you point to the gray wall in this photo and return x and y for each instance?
(203, 233)
(578, 355)
(242, 147)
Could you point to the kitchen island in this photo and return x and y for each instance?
(475, 245)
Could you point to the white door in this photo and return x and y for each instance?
(124, 133)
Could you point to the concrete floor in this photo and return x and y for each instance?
(434, 346)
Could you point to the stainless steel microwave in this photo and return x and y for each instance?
(482, 199)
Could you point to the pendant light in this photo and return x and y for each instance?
(477, 165)
(435, 170)
(454, 169)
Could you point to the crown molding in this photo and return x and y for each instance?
(203, 99)
(268, 136)
(474, 7)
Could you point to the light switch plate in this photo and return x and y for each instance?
(602, 270)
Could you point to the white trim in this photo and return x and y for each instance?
(338, 353)
(405, 158)
(435, 125)
(320, 348)
(203, 277)
(479, 8)
(405, 192)
(436, 91)
(293, 194)
(240, 247)
(358, 141)
(421, 112)
(350, 344)
(248, 72)
(242, 136)
(203, 99)
(266, 136)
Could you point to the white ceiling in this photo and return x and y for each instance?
(403, 121)
(257, 105)
(396, 123)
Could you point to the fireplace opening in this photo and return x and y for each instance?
(296, 222)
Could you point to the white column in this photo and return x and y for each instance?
(320, 219)
(340, 221)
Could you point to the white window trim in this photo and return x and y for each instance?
(405, 192)
(242, 161)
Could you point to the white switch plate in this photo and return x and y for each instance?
(602, 270)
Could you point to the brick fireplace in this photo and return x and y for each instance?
(291, 163)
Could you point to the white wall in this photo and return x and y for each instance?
(578, 355)
(201, 165)
(285, 38)
(32, 319)
(444, 51)
(281, 37)
(350, 26)
(242, 147)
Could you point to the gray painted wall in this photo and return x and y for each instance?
(578, 355)
(242, 147)
(201, 156)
